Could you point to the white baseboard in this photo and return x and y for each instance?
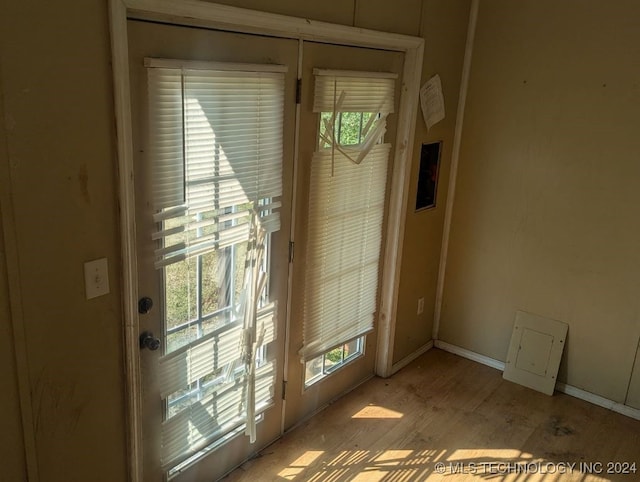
(598, 400)
(560, 387)
(471, 355)
(408, 359)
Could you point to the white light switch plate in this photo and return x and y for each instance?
(96, 278)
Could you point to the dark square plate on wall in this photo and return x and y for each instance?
(428, 175)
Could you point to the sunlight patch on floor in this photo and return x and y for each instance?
(301, 463)
(376, 411)
(405, 465)
(491, 454)
(512, 465)
(393, 457)
(398, 475)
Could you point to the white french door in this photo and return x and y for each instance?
(213, 115)
(214, 127)
(336, 129)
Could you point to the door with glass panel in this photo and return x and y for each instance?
(347, 134)
(213, 116)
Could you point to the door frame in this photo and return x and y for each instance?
(204, 14)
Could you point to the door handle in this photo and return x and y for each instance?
(147, 340)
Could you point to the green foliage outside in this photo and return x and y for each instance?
(181, 290)
(349, 127)
(335, 355)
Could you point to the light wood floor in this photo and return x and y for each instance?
(449, 410)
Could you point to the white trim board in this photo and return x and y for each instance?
(396, 367)
(470, 355)
(453, 173)
(598, 400)
(560, 387)
(235, 19)
(210, 15)
(126, 199)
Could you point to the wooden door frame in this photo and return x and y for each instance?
(203, 14)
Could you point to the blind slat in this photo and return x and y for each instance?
(345, 236)
(204, 421)
(209, 355)
(368, 94)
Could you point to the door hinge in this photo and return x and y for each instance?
(298, 91)
(284, 389)
(291, 251)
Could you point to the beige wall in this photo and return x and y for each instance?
(11, 439)
(444, 27)
(633, 395)
(59, 127)
(547, 201)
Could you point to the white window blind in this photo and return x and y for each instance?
(216, 149)
(361, 91)
(215, 146)
(346, 207)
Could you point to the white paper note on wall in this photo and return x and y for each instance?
(432, 101)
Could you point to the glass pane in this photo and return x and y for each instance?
(178, 237)
(178, 401)
(325, 117)
(352, 348)
(261, 356)
(322, 366)
(365, 118)
(313, 368)
(350, 128)
(216, 322)
(198, 390)
(240, 254)
(213, 281)
(333, 358)
(181, 294)
(181, 338)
